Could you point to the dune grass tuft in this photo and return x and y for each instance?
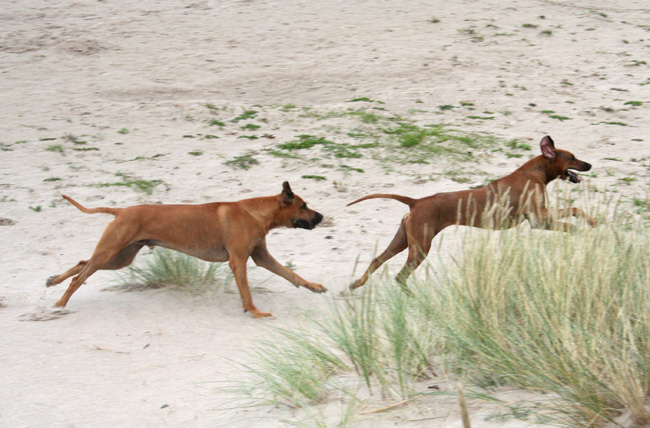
(166, 268)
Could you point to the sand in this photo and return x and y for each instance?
(132, 86)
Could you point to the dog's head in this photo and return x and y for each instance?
(565, 163)
(294, 212)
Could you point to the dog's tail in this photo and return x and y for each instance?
(403, 199)
(103, 210)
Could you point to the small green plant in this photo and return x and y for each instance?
(551, 114)
(243, 162)
(612, 123)
(37, 208)
(481, 117)
(445, 107)
(196, 153)
(52, 179)
(216, 122)
(365, 100)
(634, 103)
(627, 180)
(365, 117)
(314, 177)
(251, 127)
(247, 114)
(305, 142)
(58, 148)
(123, 131)
(146, 186)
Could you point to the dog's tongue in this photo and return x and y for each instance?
(573, 177)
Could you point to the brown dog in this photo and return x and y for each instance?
(504, 203)
(215, 232)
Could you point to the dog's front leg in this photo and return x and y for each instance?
(543, 219)
(263, 258)
(238, 266)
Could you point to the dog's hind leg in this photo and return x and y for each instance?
(57, 279)
(396, 246)
(419, 245)
(122, 259)
(113, 251)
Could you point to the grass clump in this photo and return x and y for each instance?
(378, 336)
(165, 268)
(561, 313)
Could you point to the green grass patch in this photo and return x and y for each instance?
(612, 123)
(216, 122)
(58, 148)
(365, 100)
(338, 150)
(314, 177)
(245, 162)
(246, 115)
(145, 186)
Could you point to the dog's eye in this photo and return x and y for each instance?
(304, 206)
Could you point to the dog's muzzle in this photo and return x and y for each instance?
(305, 224)
(573, 177)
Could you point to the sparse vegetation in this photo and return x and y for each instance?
(564, 314)
(314, 177)
(167, 268)
(243, 162)
(58, 148)
(146, 186)
(246, 115)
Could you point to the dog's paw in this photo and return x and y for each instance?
(50, 281)
(356, 284)
(316, 288)
(260, 314)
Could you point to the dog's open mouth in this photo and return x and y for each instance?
(573, 177)
(303, 224)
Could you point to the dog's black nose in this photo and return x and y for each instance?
(587, 166)
(317, 219)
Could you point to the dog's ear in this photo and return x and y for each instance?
(548, 147)
(286, 197)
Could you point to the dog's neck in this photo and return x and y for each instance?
(263, 210)
(539, 170)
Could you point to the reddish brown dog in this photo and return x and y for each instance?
(215, 232)
(504, 203)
